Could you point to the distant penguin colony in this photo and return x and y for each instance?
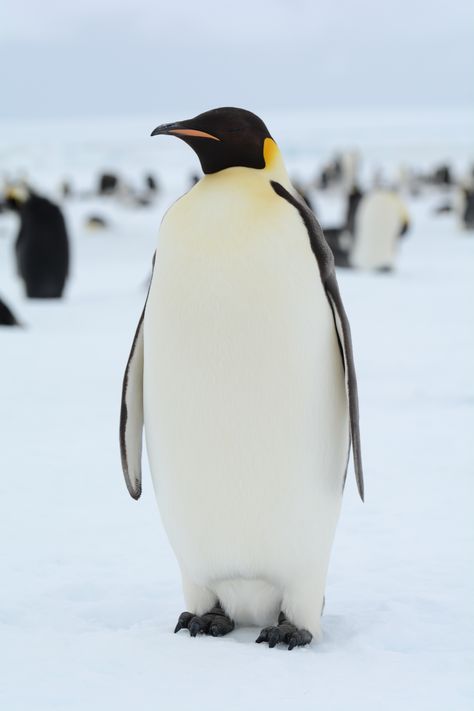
(42, 246)
(242, 374)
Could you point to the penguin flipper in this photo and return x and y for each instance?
(325, 260)
(131, 411)
(344, 334)
(131, 415)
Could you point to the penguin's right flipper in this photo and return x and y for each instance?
(131, 413)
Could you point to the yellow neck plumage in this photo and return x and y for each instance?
(274, 165)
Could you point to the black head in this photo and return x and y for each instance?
(222, 138)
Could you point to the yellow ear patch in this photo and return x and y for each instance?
(16, 192)
(270, 151)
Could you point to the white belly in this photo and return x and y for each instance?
(246, 416)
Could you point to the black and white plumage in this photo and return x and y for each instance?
(242, 373)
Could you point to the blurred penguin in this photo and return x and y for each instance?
(332, 173)
(341, 239)
(42, 245)
(353, 200)
(350, 169)
(151, 184)
(109, 184)
(7, 318)
(95, 223)
(65, 189)
(465, 205)
(380, 220)
(442, 175)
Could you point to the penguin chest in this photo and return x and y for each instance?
(244, 396)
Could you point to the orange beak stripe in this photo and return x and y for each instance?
(193, 132)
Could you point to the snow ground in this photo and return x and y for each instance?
(90, 589)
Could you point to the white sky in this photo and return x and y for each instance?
(128, 57)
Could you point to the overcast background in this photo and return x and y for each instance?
(90, 588)
(134, 56)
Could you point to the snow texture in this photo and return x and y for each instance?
(90, 589)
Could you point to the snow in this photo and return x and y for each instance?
(90, 588)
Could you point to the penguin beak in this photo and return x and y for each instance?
(181, 130)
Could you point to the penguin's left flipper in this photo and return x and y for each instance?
(131, 412)
(286, 633)
(325, 261)
(215, 623)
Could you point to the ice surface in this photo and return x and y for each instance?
(90, 589)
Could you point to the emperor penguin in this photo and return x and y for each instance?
(42, 244)
(380, 220)
(242, 373)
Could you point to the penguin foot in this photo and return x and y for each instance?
(286, 633)
(215, 623)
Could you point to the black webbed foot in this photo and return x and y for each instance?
(286, 633)
(215, 623)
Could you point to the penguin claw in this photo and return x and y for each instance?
(299, 639)
(216, 630)
(214, 623)
(183, 621)
(195, 626)
(274, 637)
(285, 633)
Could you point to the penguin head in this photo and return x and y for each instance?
(16, 196)
(224, 138)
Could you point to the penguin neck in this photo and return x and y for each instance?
(274, 169)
